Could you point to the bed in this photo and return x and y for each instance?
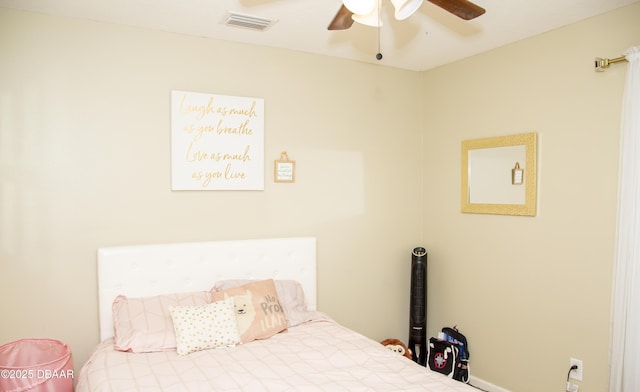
(311, 353)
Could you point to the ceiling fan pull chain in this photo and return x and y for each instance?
(379, 54)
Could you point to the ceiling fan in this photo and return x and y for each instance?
(366, 12)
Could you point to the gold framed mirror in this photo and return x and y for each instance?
(499, 175)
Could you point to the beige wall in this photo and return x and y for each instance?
(530, 292)
(84, 162)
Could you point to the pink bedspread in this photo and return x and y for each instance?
(316, 356)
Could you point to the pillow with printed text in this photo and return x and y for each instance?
(259, 314)
(290, 294)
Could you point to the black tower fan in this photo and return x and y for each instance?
(418, 306)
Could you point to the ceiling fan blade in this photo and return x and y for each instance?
(461, 8)
(342, 20)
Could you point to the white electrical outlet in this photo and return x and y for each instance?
(577, 373)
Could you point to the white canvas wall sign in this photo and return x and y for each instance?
(217, 142)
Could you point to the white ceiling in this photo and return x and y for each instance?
(429, 38)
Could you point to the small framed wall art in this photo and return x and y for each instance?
(284, 169)
(517, 175)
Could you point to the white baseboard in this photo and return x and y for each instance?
(485, 386)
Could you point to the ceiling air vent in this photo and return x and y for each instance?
(247, 21)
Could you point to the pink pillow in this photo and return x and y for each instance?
(257, 308)
(290, 294)
(144, 325)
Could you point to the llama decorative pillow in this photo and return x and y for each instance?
(259, 314)
(290, 294)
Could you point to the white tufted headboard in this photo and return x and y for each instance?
(147, 270)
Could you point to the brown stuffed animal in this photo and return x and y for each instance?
(397, 346)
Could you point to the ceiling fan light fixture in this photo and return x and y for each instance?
(360, 7)
(370, 19)
(405, 8)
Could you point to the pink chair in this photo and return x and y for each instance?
(38, 365)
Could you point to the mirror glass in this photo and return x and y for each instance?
(499, 176)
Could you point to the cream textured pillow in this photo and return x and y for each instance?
(204, 327)
(143, 325)
(257, 308)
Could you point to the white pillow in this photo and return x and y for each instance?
(205, 326)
